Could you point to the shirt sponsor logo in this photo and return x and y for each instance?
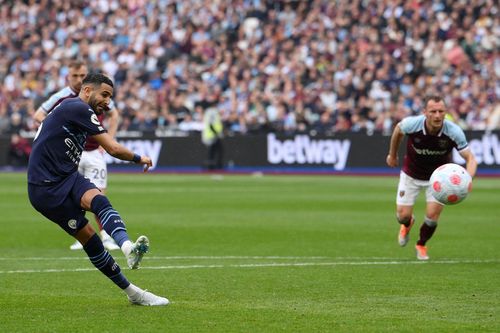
(429, 152)
(73, 153)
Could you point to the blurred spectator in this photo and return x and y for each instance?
(19, 151)
(266, 65)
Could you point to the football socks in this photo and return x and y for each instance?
(111, 221)
(104, 262)
(427, 230)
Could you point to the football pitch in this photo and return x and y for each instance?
(250, 253)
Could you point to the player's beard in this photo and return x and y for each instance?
(94, 104)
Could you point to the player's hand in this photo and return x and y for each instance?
(146, 163)
(392, 161)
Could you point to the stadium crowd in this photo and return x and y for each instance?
(319, 66)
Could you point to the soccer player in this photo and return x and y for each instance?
(92, 162)
(59, 192)
(430, 141)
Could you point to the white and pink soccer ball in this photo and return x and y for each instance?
(450, 184)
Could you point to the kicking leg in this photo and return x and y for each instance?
(99, 257)
(105, 263)
(111, 221)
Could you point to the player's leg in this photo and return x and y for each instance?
(428, 227)
(407, 194)
(105, 263)
(70, 217)
(107, 240)
(99, 257)
(93, 166)
(406, 220)
(112, 222)
(58, 204)
(84, 192)
(83, 170)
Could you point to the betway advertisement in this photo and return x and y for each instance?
(303, 149)
(343, 152)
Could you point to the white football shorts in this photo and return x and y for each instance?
(93, 166)
(409, 188)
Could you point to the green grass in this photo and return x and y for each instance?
(257, 254)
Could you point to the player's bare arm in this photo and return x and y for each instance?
(39, 115)
(117, 150)
(113, 119)
(470, 161)
(396, 138)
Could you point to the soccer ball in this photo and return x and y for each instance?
(450, 184)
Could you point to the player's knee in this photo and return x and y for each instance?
(430, 222)
(84, 234)
(404, 219)
(99, 203)
(88, 197)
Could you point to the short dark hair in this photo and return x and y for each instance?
(97, 79)
(434, 98)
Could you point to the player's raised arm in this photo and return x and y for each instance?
(117, 150)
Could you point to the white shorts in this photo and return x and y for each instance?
(409, 188)
(93, 166)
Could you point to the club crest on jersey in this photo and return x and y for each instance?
(401, 194)
(72, 224)
(94, 120)
(442, 143)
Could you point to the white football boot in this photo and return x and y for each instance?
(139, 248)
(144, 297)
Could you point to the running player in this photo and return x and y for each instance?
(431, 139)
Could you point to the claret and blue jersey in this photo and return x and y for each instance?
(60, 140)
(425, 152)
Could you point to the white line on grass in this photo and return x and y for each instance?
(205, 258)
(297, 264)
(192, 257)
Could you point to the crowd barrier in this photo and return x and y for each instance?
(345, 152)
